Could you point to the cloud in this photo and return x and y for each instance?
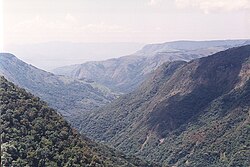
(70, 18)
(103, 28)
(68, 27)
(153, 2)
(208, 6)
(66, 24)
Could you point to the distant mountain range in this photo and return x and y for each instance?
(193, 113)
(50, 55)
(32, 134)
(69, 96)
(126, 73)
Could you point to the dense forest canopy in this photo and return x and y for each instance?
(32, 134)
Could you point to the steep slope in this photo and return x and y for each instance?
(220, 136)
(32, 134)
(127, 73)
(70, 96)
(186, 113)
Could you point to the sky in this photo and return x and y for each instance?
(33, 30)
(143, 21)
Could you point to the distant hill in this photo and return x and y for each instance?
(50, 55)
(32, 134)
(185, 114)
(69, 96)
(126, 73)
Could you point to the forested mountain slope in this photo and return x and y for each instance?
(186, 114)
(32, 134)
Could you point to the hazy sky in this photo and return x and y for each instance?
(145, 21)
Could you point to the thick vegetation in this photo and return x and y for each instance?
(186, 114)
(32, 134)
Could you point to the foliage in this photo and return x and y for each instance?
(32, 134)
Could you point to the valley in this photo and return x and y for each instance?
(71, 97)
(189, 111)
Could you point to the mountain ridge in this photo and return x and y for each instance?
(126, 73)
